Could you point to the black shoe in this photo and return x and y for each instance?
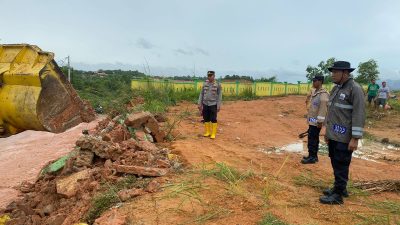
(333, 199)
(329, 191)
(306, 157)
(310, 160)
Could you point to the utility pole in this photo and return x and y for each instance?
(69, 70)
(194, 69)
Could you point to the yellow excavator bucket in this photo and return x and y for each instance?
(35, 94)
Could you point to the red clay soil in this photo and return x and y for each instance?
(244, 129)
(23, 155)
(388, 126)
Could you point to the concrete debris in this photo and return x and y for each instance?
(148, 146)
(145, 120)
(111, 217)
(153, 186)
(160, 118)
(125, 195)
(119, 134)
(114, 148)
(102, 149)
(69, 186)
(140, 135)
(141, 171)
(84, 159)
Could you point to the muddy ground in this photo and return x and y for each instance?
(246, 172)
(249, 134)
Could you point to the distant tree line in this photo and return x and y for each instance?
(366, 71)
(224, 78)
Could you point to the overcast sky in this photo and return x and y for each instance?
(257, 38)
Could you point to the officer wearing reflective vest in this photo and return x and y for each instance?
(210, 104)
(316, 117)
(344, 127)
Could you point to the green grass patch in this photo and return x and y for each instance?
(215, 213)
(270, 219)
(248, 94)
(101, 203)
(172, 124)
(308, 180)
(271, 186)
(395, 104)
(109, 197)
(387, 206)
(356, 191)
(226, 173)
(187, 190)
(112, 92)
(229, 175)
(157, 100)
(373, 219)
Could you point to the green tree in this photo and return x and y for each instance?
(367, 71)
(267, 79)
(321, 69)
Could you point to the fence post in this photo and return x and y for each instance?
(195, 85)
(285, 88)
(272, 86)
(255, 87)
(165, 84)
(298, 87)
(237, 88)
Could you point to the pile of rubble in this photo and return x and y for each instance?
(114, 149)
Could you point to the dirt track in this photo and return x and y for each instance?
(246, 128)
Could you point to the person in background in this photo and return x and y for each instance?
(209, 104)
(372, 92)
(383, 95)
(315, 118)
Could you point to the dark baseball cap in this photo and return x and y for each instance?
(318, 77)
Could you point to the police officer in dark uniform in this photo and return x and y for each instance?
(344, 127)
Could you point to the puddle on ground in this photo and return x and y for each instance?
(367, 150)
(297, 147)
(370, 150)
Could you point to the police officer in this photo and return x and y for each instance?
(210, 104)
(344, 127)
(316, 117)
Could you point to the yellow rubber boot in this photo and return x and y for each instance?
(214, 130)
(207, 127)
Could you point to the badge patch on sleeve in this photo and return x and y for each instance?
(339, 129)
(312, 120)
